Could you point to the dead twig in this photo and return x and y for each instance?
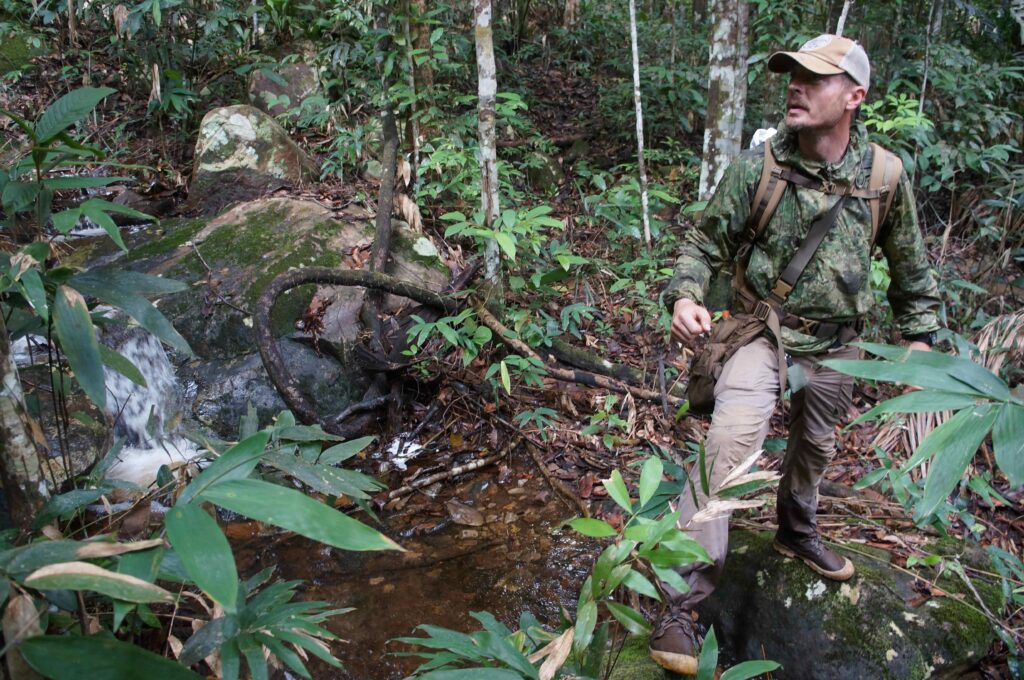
(454, 472)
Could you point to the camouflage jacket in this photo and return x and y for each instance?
(835, 285)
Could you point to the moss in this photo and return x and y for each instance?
(17, 50)
(177, 233)
(634, 662)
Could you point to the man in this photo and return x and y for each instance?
(821, 140)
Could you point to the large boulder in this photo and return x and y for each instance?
(876, 625)
(242, 154)
(281, 88)
(230, 260)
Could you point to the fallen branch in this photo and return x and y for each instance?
(454, 472)
(564, 374)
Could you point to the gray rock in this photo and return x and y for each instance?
(242, 153)
(281, 88)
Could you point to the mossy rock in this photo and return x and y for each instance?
(242, 153)
(17, 49)
(268, 86)
(634, 662)
(776, 608)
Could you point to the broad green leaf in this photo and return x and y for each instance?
(208, 639)
(507, 243)
(66, 504)
(73, 657)
(66, 220)
(707, 663)
(595, 528)
(106, 222)
(305, 433)
(907, 374)
(115, 282)
(672, 578)
(254, 659)
(80, 182)
(205, 552)
(943, 436)
(650, 479)
(22, 560)
(108, 207)
(923, 401)
(238, 462)
(586, 619)
(968, 372)
(68, 110)
(639, 583)
(631, 619)
(749, 669)
(951, 460)
(122, 365)
(77, 338)
(32, 287)
(617, 490)
(1008, 442)
(293, 510)
(18, 196)
(324, 479)
(342, 452)
(143, 565)
(88, 576)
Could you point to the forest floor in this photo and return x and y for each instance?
(566, 467)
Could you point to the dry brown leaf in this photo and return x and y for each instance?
(154, 90)
(409, 211)
(404, 171)
(21, 621)
(39, 579)
(740, 469)
(556, 651)
(176, 645)
(120, 18)
(52, 532)
(90, 551)
(716, 509)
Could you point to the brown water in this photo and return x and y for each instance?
(516, 560)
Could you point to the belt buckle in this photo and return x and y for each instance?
(762, 310)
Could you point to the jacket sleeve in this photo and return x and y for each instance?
(711, 246)
(913, 291)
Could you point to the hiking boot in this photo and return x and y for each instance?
(816, 556)
(673, 643)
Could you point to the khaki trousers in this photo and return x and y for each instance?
(745, 397)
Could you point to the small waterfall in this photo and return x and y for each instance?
(146, 418)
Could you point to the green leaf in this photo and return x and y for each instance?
(595, 528)
(918, 402)
(950, 461)
(238, 462)
(907, 374)
(507, 243)
(205, 552)
(707, 664)
(72, 657)
(323, 478)
(631, 619)
(108, 207)
(968, 372)
(293, 510)
(66, 220)
(32, 288)
(1008, 442)
(749, 669)
(208, 639)
(102, 283)
(106, 222)
(66, 504)
(122, 365)
(77, 338)
(639, 583)
(617, 490)
(342, 452)
(650, 479)
(672, 578)
(80, 182)
(18, 196)
(68, 110)
(143, 565)
(586, 619)
(88, 576)
(506, 380)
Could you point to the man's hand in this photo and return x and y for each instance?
(919, 346)
(689, 320)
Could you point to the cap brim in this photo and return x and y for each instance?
(782, 62)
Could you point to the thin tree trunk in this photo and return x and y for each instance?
(727, 91)
(487, 89)
(20, 450)
(639, 124)
(841, 24)
(569, 15)
(413, 120)
(424, 71)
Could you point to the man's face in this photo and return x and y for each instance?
(818, 103)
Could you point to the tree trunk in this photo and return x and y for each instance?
(639, 124)
(727, 91)
(841, 24)
(569, 15)
(20, 460)
(487, 91)
(700, 12)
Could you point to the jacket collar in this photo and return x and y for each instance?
(847, 170)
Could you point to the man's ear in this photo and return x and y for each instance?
(856, 95)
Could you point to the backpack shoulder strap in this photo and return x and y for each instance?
(886, 170)
(767, 196)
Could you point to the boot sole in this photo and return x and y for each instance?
(683, 664)
(843, 574)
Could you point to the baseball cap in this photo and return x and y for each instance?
(826, 55)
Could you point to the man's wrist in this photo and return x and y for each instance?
(929, 338)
